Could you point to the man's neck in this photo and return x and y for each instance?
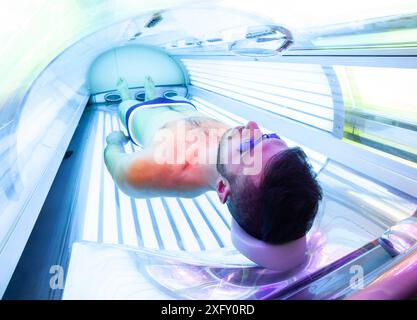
(214, 174)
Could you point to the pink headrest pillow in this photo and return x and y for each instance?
(280, 257)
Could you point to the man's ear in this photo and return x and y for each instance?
(222, 189)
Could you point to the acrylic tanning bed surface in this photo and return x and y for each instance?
(196, 228)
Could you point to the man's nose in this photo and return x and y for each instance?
(252, 125)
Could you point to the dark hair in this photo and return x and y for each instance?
(283, 207)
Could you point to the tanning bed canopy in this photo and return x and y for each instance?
(342, 90)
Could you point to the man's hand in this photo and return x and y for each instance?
(114, 154)
(117, 137)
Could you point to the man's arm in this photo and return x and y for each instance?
(115, 157)
(137, 174)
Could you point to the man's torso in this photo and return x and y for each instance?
(190, 139)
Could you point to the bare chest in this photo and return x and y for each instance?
(190, 146)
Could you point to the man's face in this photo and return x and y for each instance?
(232, 162)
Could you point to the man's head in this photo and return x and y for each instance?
(276, 203)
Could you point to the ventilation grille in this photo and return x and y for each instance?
(300, 92)
(112, 97)
(140, 96)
